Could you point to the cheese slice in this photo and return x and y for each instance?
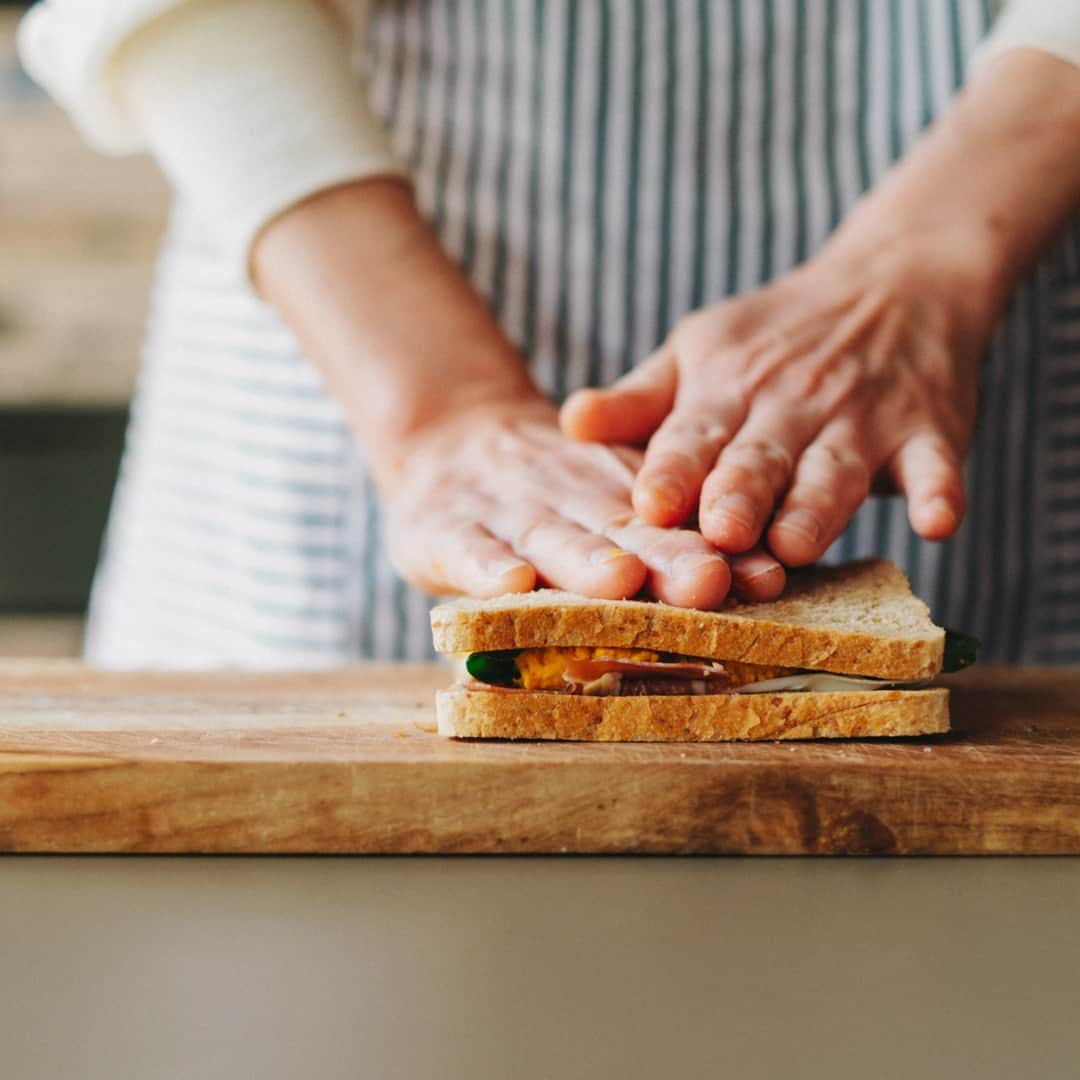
(555, 668)
(599, 670)
(819, 682)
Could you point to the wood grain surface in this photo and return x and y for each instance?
(348, 761)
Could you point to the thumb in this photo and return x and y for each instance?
(629, 410)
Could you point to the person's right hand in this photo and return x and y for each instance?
(495, 499)
(484, 494)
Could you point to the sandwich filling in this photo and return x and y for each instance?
(608, 671)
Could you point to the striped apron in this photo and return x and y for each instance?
(598, 168)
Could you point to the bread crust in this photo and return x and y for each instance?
(486, 714)
(857, 619)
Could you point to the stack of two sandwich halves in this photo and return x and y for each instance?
(844, 653)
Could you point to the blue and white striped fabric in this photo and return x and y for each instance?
(599, 168)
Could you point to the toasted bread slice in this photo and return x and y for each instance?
(491, 714)
(856, 619)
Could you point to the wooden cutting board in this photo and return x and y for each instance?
(349, 761)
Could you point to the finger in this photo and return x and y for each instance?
(740, 494)
(927, 470)
(679, 457)
(832, 479)
(629, 410)
(757, 576)
(569, 556)
(684, 569)
(460, 557)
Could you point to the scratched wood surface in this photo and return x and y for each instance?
(349, 761)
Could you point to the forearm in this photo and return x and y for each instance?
(997, 176)
(399, 334)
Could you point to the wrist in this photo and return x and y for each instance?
(959, 261)
(398, 333)
(983, 192)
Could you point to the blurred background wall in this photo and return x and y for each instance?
(78, 234)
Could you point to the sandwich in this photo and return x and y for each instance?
(844, 653)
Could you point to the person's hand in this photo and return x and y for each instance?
(483, 493)
(495, 499)
(772, 415)
(775, 413)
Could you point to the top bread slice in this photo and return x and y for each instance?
(857, 619)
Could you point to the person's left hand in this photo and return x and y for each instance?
(773, 414)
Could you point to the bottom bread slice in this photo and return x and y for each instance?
(493, 714)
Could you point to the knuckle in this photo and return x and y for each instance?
(705, 430)
(701, 336)
(934, 443)
(677, 456)
(772, 452)
(711, 430)
(699, 326)
(736, 476)
(764, 454)
(846, 465)
(703, 436)
(825, 502)
(537, 535)
(814, 493)
(532, 530)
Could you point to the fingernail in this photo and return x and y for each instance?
(758, 574)
(606, 555)
(690, 561)
(670, 492)
(939, 505)
(499, 567)
(939, 515)
(735, 507)
(802, 522)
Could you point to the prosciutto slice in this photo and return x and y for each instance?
(583, 672)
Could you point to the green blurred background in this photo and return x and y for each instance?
(57, 468)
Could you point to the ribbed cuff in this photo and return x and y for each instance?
(1053, 26)
(249, 107)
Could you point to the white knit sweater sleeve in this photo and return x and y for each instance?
(249, 106)
(1050, 25)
